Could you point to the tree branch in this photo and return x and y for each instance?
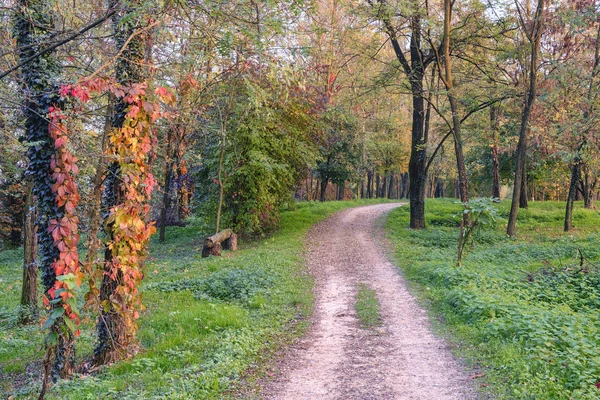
(60, 43)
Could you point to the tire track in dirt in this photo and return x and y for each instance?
(337, 359)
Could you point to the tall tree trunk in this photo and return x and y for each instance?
(29, 291)
(34, 23)
(404, 188)
(571, 195)
(317, 187)
(166, 200)
(524, 195)
(324, 182)
(415, 72)
(369, 184)
(362, 188)
(439, 188)
(418, 161)
(377, 186)
(114, 341)
(588, 187)
(534, 38)
(341, 191)
(494, 110)
(390, 191)
(577, 163)
(220, 181)
(448, 81)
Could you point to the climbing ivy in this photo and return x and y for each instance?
(50, 168)
(114, 285)
(63, 229)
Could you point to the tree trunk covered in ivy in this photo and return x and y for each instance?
(33, 27)
(29, 291)
(113, 340)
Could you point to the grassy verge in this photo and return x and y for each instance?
(367, 307)
(208, 320)
(522, 310)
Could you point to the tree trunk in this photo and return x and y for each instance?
(588, 188)
(403, 185)
(369, 184)
(418, 161)
(439, 188)
(220, 180)
(317, 187)
(390, 186)
(39, 79)
(448, 81)
(535, 37)
(29, 291)
(166, 200)
(362, 187)
(324, 183)
(456, 189)
(524, 196)
(495, 164)
(571, 195)
(115, 338)
(415, 72)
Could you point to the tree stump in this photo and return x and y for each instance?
(213, 245)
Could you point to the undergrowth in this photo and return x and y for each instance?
(525, 310)
(207, 323)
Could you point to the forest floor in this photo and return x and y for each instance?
(347, 356)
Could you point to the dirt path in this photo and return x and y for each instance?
(338, 359)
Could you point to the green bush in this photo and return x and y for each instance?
(227, 284)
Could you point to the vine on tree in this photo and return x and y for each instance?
(59, 297)
(126, 224)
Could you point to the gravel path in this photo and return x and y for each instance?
(337, 359)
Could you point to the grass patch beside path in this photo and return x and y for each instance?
(367, 307)
(521, 310)
(208, 321)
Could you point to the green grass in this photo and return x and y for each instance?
(367, 307)
(522, 310)
(208, 321)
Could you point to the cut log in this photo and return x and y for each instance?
(231, 243)
(214, 250)
(225, 239)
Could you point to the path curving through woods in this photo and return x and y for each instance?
(338, 359)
